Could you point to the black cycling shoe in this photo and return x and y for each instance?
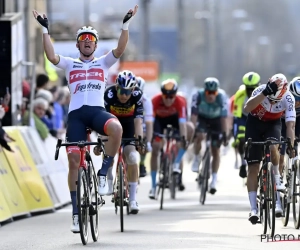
(213, 190)
(143, 171)
(243, 171)
(181, 187)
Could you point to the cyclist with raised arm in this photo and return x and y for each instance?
(210, 109)
(294, 88)
(86, 78)
(265, 108)
(124, 100)
(147, 123)
(251, 81)
(169, 109)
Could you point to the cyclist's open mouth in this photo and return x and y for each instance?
(87, 46)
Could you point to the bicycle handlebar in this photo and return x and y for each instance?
(80, 144)
(267, 143)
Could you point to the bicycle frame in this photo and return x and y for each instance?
(123, 164)
(82, 153)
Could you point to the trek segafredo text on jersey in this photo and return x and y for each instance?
(267, 111)
(86, 80)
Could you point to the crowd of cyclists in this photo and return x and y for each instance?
(257, 111)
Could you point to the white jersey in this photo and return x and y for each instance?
(86, 80)
(267, 111)
(148, 109)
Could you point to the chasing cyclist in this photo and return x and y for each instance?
(86, 77)
(266, 106)
(124, 100)
(294, 88)
(251, 81)
(210, 109)
(169, 109)
(147, 123)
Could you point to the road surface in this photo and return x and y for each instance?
(222, 223)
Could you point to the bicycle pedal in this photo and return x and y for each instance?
(92, 210)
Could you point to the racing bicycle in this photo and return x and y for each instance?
(266, 199)
(204, 172)
(121, 189)
(88, 199)
(166, 177)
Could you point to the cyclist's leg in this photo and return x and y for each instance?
(107, 124)
(273, 133)
(132, 158)
(76, 131)
(159, 125)
(235, 142)
(199, 137)
(241, 145)
(143, 171)
(283, 147)
(253, 130)
(216, 126)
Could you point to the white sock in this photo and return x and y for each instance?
(109, 173)
(132, 190)
(278, 201)
(214, 177)
(276, 169)
(252, 198)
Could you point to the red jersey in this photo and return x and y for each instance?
(179, 107)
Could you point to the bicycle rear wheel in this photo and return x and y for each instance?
(271, 198)
(121, 195)
(95, 204)
(204, 176)
(296, 194)
(82, 204)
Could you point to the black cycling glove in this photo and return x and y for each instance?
(270, 89)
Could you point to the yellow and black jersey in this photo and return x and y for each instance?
(125, 112)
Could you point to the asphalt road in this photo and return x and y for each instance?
(222, 223)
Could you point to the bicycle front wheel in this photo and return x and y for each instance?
(285, 201)
(95, 203)
(271, 198)
(262, 202)
(296, 194)
(82, 204)
(204, 176)
(121, 195)
(163, 180)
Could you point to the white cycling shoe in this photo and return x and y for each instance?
(75, 224)
(133, 207)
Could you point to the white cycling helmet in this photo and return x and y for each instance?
(126, 79)
(87, 30)
(295, 86)
(282, 87)
(140, 82)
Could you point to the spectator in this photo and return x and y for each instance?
(42, 81)
(40, 106)
(4, 138)
(57, 117)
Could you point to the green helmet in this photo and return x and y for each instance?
(211, 84)
(251, 79)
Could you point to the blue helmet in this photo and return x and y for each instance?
(126, 79)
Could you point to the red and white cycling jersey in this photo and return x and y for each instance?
(267, 111)
(87, 80)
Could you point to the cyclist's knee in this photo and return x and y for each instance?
(190, 130)
(215, 151)
(74, 160)
(199, 137)
(113, 128)
(253, 169)
(133, 158)
(155, 148)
